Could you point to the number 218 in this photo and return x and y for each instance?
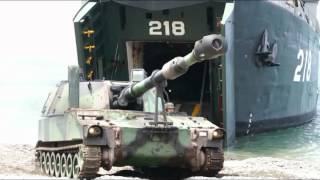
(157, 27)
(303, 70)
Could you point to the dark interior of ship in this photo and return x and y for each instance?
(191, 92)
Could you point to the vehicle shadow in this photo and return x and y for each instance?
(160, 173)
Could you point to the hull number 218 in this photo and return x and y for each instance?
(303, 69)
(167, 28)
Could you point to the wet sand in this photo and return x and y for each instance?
(18, 161)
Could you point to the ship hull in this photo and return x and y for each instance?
(268, 97)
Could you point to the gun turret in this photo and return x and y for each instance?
(208, 48)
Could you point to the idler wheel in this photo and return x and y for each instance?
(47, 163)
(42, 161)
(63, 165)
(52, 164)
(69, 166)
(57, 166)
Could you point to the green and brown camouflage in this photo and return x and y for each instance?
(91, 124)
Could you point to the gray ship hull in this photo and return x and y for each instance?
(278, 95)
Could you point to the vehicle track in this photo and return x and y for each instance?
(18, 161)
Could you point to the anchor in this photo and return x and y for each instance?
(267, 54)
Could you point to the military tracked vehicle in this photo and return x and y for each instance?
(86, 125)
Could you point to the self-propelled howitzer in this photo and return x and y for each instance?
(91, 124)
(208, 48)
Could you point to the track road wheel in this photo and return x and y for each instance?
(63, 165)
(42, 161)
(77, 166)
(57, 166)
(69, 167)
(52, 164)
(47, 163)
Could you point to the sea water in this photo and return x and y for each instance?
(296, 143)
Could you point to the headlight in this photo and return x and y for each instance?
(217, 134)
(94, 131)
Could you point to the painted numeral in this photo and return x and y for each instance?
(303, 69)
(166, 25)
(309, 67)
(155, 28)
(159, 28)
(178, 28)
(297, 75)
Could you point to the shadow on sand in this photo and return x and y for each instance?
(158, 173)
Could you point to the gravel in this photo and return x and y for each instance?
(18, 161)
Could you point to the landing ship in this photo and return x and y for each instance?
(267, 80)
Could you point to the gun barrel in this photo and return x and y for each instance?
(208, 48)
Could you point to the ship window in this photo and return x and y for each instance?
(165, 12)
(149, 15)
